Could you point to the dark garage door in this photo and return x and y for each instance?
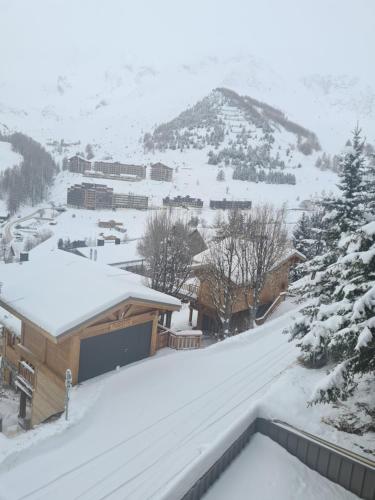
(103, 353)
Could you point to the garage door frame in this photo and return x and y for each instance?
(103, 353)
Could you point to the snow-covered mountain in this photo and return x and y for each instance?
(113, 106)
(238, 130)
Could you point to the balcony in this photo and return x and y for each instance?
(25, 380)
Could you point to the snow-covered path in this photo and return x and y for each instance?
(150, 421)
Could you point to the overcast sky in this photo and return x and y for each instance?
(307, 35)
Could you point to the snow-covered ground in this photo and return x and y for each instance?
(8, 158)
(193, 177)
(151, 428)
(9, 403)
(266, 471)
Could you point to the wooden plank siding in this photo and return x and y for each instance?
(276, 282)
(51, 357)
(35, 342)
(48, 396)
(10, 351)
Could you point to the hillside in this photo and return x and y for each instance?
(221, 113)
(126, 99)
(254, 138)
(27, 171)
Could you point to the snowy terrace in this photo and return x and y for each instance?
(121, 255)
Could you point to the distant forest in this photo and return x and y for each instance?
(30, 181)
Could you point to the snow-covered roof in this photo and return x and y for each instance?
(188, 333)
(204, 257)
(80, 157)
(112, 254)
(60, 291)
(10, 322)
(289, 254)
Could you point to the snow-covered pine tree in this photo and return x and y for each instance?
(368, 186)
(347, 323)
(308, 235)
(345, 213)
(308, 238)
(335, 286)
(220, 175)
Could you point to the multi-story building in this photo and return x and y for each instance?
(230, 204)
(90, 196)
(78, 164)
(160, 172)
(116, 168)
(130, 201)
(182, 201)
(99, 196)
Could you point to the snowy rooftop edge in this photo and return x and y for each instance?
(60, 290)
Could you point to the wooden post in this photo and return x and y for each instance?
(162, 317)
(168, 319)
(22, 411)
(190, 315)
(154, 335)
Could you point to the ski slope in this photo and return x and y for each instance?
(149, 429)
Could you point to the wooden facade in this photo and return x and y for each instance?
(273, 292)
(39, 360)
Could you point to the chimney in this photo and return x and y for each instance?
(24, 256)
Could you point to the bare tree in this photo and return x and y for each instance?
(260, 248)
(235, 267)
(167, 252)
(220, 270)
(4, 249)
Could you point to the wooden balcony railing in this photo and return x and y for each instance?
(176, 340)
(189, 289)
(280, 298)
(27, 374)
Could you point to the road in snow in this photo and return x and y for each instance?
(9, 226)
(150, 423)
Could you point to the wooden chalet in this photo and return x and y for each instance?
(272, 294)
(75, 314)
